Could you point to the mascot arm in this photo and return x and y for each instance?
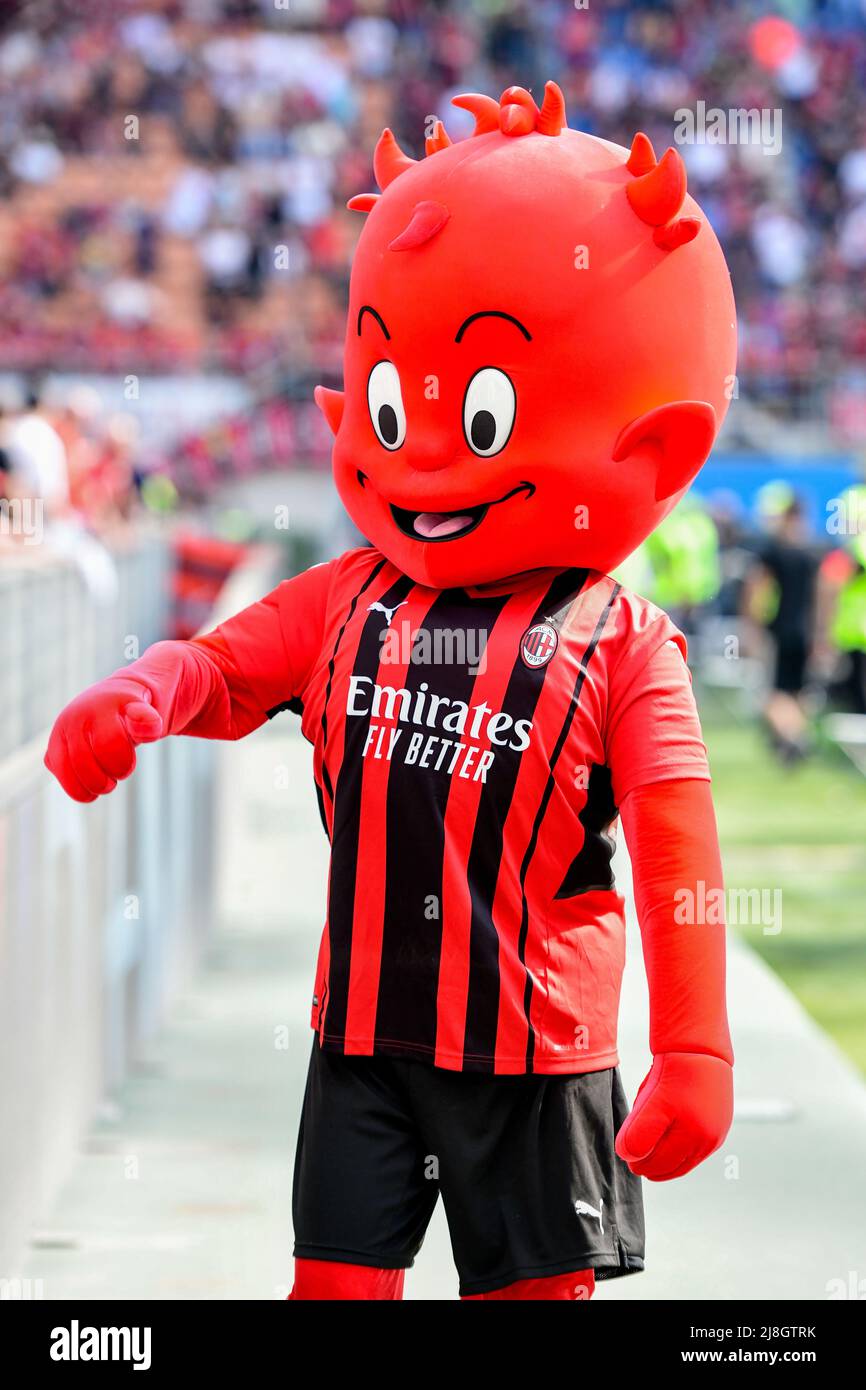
(684, 1106)
(219, 686)
(661, 783)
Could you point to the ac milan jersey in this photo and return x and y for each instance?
(471, 747)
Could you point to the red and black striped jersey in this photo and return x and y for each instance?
(471, 747)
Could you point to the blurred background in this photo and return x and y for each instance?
(174, 260)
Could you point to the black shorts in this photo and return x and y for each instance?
(525, 1164)
(792, 655)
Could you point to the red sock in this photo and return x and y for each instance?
(326, 1280)
(576, 1287)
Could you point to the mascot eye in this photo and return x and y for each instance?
(488, 411)
(386, 405)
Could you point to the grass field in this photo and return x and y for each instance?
(801, 830)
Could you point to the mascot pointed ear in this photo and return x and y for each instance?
(331, 405)
(678, 436)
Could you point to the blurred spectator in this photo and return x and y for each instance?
(683, 555)
(37, 457)
(781, 594)
(5, 462)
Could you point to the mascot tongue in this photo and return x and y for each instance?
(434, 525)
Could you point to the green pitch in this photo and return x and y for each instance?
(802, 831)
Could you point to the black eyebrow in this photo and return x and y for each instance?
(368, 309)
(493, 314)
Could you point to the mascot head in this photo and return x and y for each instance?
(539, 351)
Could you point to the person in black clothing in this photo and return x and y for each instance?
(790, 561)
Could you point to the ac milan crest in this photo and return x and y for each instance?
(538, 645)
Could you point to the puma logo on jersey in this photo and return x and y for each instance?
(584, 1209)
(378, 607)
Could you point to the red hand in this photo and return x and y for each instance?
(93, 742)
(681, 1115)
(176, 687)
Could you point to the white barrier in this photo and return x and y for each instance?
(103, 908)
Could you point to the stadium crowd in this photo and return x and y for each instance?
(75, 459)
(174, 172)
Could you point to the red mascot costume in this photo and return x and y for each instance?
(538, 355)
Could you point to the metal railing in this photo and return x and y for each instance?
(104, 907)
(57, 637)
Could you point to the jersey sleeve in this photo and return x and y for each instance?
(274, 644)
(652, 731)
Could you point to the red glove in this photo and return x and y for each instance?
(684, 1107)
(176, 687)
(681, 1115)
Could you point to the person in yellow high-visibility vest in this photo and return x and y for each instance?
(847, 627)
(683, 554)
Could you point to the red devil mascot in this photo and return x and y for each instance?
(539, 348)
